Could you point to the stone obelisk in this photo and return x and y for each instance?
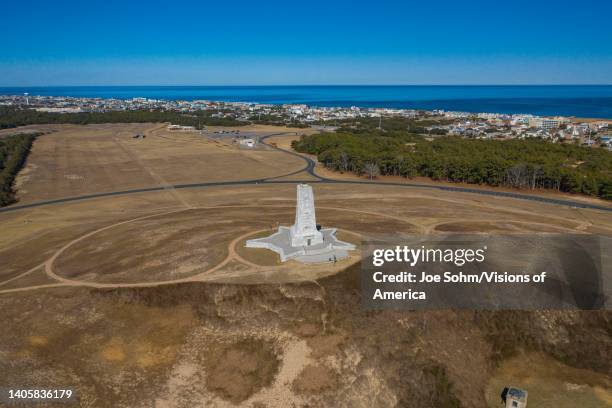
(304, 232)
(303, 241)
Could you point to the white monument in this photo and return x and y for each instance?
(304, 240)
(304, 232)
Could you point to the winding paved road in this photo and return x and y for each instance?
(310, 169)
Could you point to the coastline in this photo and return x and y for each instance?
(580, 101)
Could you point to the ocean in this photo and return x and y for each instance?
(589, 101)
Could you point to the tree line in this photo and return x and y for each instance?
(395, 123)
(14, 150)
(529, 164)
(276, 120)
(13, 117)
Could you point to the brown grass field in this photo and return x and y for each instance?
(150, 299)
(77, 160)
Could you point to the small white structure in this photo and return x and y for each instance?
(247, 142)
(516, 398)
(304, 240)
(181, 128)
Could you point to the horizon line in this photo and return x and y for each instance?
(294, 85)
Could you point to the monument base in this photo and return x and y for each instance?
(330, 250)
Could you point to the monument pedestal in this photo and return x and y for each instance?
(303, 241)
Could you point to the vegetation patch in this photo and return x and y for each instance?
(13, 153)
(442, 394)
(325, 345)
(316, 379)
(235, 371)
(527, 164)
(12, 117)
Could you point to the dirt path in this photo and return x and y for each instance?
(202, 276)
(159, 180)
(22, 275)
(232, 255)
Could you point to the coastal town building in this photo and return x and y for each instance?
(483, 125)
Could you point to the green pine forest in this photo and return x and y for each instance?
(14, 150)
(11, 117)
(526, 164)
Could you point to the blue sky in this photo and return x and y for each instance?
(305, 42)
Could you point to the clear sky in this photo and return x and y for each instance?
(305, 42)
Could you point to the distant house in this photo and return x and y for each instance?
(247, 142)
(180, 128)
